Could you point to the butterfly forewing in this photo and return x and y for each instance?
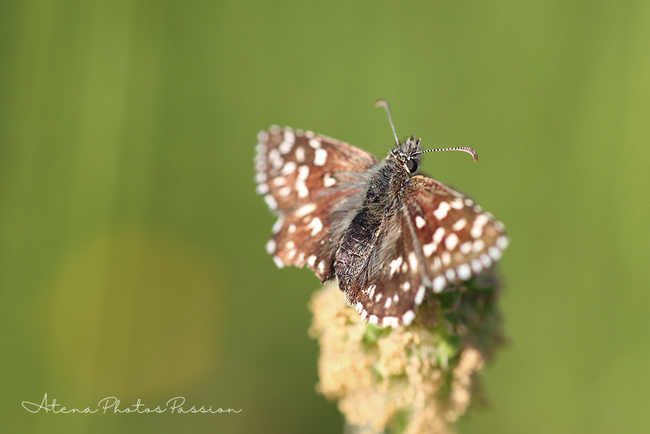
(312, 182)
(296, 167)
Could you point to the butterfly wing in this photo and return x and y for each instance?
(457, 239)
(437, 239)
(313, 183)
(394, 285)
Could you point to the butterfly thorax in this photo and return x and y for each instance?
(391, 177)
(384, 198)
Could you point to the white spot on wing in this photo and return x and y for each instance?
(328, 180)
(457, 203)
(420, 222)
(270, 247)
(494, 253)
(274, 155)
(450, 275)
(279, 181)
(478, 246)
(413, 261)
(485, 259)
(300, 154)
(439, 283)
(305, 209)
(302, 189)
(460, 224)
(408, 317)
(466, 247)
(278, 261)
(287, 144)
(271, 202)
(260, 177)
(315, 225)
(437, 264)
(477, 226)
(438, 234)
(288, 168)
(392, 321)
(442, 210)
(428, 249)
(451, 241)
(464, 272)
(278, 224)
(263, 137)
(277, 163)
(320, 156)
(262, 189)
(419, 296)
(394, 265)
(303, 172)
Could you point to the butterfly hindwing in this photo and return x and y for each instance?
(395, 287)
(457, 239)
(443, 239)
(308, 235)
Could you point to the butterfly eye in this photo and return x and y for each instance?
(412, 165)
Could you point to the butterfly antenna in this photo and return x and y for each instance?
(383, 103)
(470, 151)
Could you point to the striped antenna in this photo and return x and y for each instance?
(470, 151)
(383, 103)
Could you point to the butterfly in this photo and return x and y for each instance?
(387, 233)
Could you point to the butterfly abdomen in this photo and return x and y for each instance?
(355, 247)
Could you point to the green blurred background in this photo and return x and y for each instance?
(132, 259)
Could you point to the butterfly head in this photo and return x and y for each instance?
(406, 154)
